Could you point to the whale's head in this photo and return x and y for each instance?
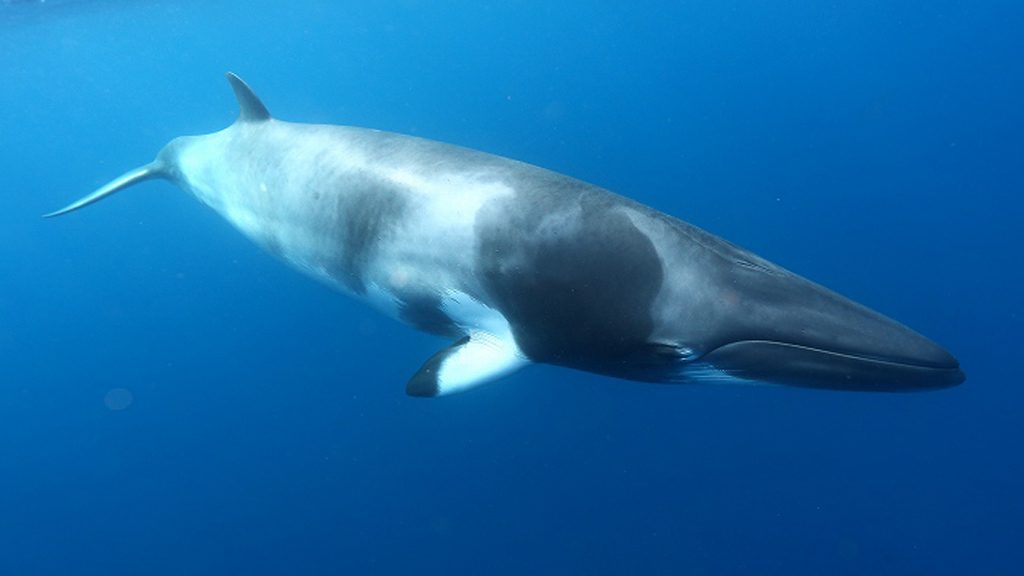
(775, 326)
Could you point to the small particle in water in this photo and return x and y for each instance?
(118, 399)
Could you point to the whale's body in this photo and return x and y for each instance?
(519, 264)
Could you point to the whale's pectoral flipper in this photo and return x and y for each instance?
(473, 360)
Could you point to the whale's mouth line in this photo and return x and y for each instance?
(879, 361)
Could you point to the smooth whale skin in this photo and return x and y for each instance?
(518, 264)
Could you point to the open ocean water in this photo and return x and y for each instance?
(175, 401)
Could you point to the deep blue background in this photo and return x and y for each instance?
(876, 148)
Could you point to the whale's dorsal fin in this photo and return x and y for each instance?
(252, 110)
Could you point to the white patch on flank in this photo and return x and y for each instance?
(433, 248)
(458, 195)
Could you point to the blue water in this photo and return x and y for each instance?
(174, 401)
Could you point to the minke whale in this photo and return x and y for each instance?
(516, 264)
